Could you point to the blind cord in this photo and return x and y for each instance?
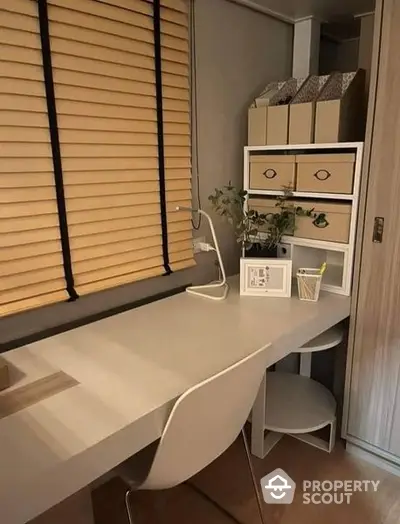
(194, 113)
(55, 146)
(160, 132)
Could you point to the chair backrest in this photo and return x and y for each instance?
(205, 421)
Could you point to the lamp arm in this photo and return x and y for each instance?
(223, 282)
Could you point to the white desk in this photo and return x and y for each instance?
(130, 369)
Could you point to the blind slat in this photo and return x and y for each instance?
(33, 292)
(140, 27)
(18, 165)
(39, 276)
(108, 10)
(80, 217)
(21, 305)
(116, 236)
(22, 7)
(35, 135)
(107, 151)
(177, 5)
(39, 222)
(32, 263)
(90, 36)
(115, 251)
(35, 194)
(171, 15)
(89, 248)
(133, 273)
(103, 226)
(25, 251)
(105, 267)
(138, 67)
(183, 264)
(17, 21)
(17, 180)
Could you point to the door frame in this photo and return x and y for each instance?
(372, 96)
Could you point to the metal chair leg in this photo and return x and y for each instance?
(209, 499)
(128, 506)
(253, 478)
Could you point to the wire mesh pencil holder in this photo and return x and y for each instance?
(309, 283)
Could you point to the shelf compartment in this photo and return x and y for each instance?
(322, 173)
(301, 194)
(334, 278)
(297, 404)
(343, 146)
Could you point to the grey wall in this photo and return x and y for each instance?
(338, 56)
(347, 58)
(327, 55)
(237, 52)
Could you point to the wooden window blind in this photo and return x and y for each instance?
(31, 263)
(104, 70)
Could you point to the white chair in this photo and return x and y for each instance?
(203, 423)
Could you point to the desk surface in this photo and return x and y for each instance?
(130, 369)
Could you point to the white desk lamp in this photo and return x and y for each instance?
(220, 284)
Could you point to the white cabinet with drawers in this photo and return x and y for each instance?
(324, 178)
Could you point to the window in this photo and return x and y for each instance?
(94, 146)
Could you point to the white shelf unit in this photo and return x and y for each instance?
(339, 256)
(295, 405)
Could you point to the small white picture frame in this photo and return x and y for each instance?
(269, 277)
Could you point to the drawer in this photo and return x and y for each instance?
(335, 227)
(325, 173)
(265, 206)
(272, 172)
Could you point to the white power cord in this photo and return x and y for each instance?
(221, 284)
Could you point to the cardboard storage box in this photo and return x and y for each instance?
(265, 206)
(278, 112)
(321, 173)
(335, 227)
(302, 110)
(272, 172)
(257, 115)
(339, 113)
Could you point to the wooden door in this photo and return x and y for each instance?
(374, 411)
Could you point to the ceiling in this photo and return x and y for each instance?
(326, 10)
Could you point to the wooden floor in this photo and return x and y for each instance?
(228, 482)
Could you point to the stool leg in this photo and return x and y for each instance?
(128, 506)
(258, 420)
(305, 364)
(332, 436)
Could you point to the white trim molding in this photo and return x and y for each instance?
(250, 4)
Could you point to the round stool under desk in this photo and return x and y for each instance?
(297, 405)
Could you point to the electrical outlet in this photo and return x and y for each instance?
(285, 251)
(197, 244)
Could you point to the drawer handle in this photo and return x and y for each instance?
(322, 174)
(321, 221)
(270, 173)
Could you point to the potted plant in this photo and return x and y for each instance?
(258, 233)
